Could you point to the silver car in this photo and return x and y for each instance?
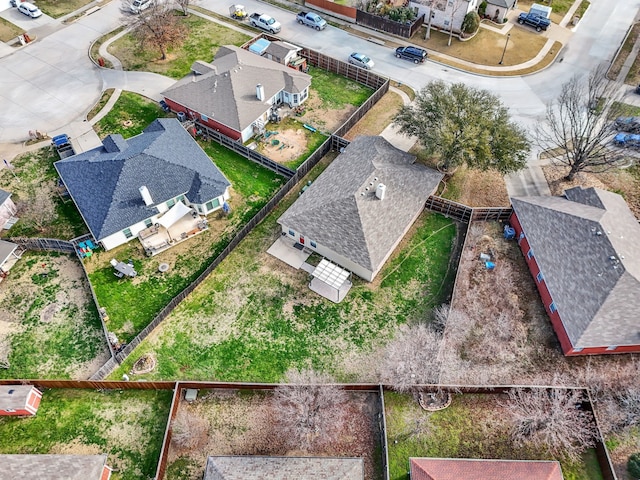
(360, 60)
(29, 9)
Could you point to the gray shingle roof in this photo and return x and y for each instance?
(15, 400)
(333, 212)
(280, 49)
(52, 467)
(104, 182)
(586, 246)
(227, 93)
(3, 196)
(283, 468)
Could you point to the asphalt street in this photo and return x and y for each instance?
(51, 83)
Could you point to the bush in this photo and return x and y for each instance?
(633, 465)
(471, 23)
(482, 8)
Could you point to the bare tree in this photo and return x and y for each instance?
(551, 420)
(411, 358)
(310, 408)
(579, 124)
(455, 6)
(40, 207)
(184, 5)
(157, 26)
(189, 430)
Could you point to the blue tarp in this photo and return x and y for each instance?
(259, 46)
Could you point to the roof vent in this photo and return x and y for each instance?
(381, 189)
(260, 92)
(146, 196)
(362, 194)
(12, 391)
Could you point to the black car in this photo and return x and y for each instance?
(415, 54)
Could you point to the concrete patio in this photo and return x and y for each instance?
(157, 239)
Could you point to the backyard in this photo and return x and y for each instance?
(127, 425)
(131, 114)
(243, 422)
(49, 326)
(473, 426)
(253, 318)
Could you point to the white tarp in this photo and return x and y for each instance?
(174, 214)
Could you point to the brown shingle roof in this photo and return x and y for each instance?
(476, 469)
(52, 467)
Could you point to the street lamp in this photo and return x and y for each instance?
(505, 49)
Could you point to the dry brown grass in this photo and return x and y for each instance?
(624, 52)
(476, 188)
(377, 119)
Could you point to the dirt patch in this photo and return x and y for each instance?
(284, 146)
(325, 120)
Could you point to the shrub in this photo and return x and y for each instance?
(471, 23)
(482, 8)
(633, 465)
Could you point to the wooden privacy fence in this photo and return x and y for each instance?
(466, 214)
(329, 6)
(376, 22)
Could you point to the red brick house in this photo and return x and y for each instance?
(582, 250)
(475, 469)
(55, 467)
(238, 93)
(19, 400)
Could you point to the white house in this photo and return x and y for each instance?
(157, 177)
(359, 209)
(445, 13)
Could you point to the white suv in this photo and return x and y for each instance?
(139, 5)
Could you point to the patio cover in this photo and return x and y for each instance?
(174, 214)
(330, 281)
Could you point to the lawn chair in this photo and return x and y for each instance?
(118, 274)
(113, 262)
(90, 245)
(82, 245)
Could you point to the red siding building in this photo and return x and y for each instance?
(582, 251)
(19, 400)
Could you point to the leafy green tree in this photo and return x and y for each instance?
(471, 23)
(633, 465)
(462, 125)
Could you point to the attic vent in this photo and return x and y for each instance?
(381, 189)
(146, 196)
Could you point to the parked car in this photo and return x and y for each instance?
(627, 140)
(311, 19)
(138, 6)
(265, 22)
(415, 54)
(29, 9)
(360, 60)
(14, 3)
(628, 124)
(536, 21)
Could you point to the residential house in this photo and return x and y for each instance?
(19, 400)
(238, 93)
(582, 250)
(276, 50)
(8, 257)
(55, 467)
(8, 210)
(360, 208)
(445, 14)
(249, 467)
(472, 469)
(149, 181)
(497, 10)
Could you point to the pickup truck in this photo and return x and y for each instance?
(312, 20)
(535, 21)
(265, 22)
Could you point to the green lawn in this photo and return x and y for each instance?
(131, 305)
(127, 425)
(254, 318)
(204, 39)
(58, 8)
(130, 107)
(34, 172)
(337, 91)
(471, 427)
(8, 31)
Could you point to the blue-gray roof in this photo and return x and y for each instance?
(104, 182)
(586, 246)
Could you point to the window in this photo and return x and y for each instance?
(530, 254)
(611, 348)
(213, 204)
(171, 202)
(552, 307)
(292, 233)
(521, 235)
(295, 98)
(446, 23)
(539, 277)
(204, 118)
(313, 244)
(148, 222)
(127, 233)
(180, 198)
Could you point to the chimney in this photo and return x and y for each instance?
(380, 191)
(260, 92)
(146, 196)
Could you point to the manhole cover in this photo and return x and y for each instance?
(163, 267)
